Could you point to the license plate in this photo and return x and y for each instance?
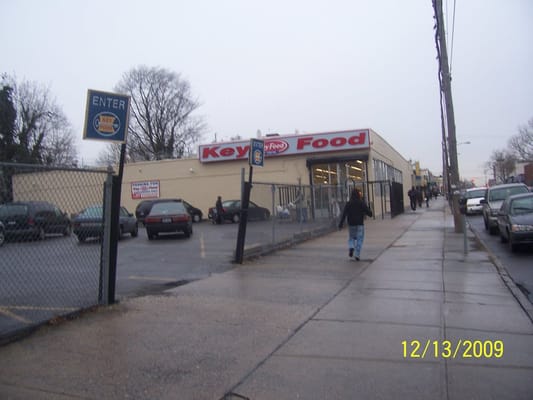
(166, 220)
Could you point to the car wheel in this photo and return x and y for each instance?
(135, 231)
(196, 218)
(236, 218)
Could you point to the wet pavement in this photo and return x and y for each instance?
(416, 318)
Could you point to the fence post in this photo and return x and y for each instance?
(106, 242)
(274, 213)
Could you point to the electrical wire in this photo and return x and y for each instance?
(453, 35)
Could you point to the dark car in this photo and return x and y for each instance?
(515, 220)
(2, 234)
(144, 207)
(33, 220)
(90, 223)
(232, 211)
(168, 217)
(492, 202)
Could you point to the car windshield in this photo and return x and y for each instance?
(522, 206)
(173, 207)
(13, 210)
(503, 193)
(92, 212)
(473, 194)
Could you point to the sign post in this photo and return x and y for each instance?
(256, 157)
(107, 119)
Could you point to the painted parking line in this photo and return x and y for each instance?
(202, 246)
(151, 278)
(6, 311)
(9, 314)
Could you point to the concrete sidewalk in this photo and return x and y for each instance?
(305, 322)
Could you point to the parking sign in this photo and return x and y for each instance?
(256, 156)
(106, 116)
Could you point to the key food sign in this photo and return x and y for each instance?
(106, 116)
(287, 145)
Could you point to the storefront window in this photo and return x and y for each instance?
(338, 173)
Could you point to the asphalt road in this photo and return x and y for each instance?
(519, 265)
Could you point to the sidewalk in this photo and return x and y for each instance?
(303, 323)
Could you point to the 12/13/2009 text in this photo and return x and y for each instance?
(472, 349)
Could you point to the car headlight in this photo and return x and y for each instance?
(521, 228)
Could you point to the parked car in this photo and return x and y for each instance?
(515, 220)
(90, 223)
(472, 200)
(168, 217)
(2, 234)
(232, 211)
(33, 220)
(494, 197)
(144, 207)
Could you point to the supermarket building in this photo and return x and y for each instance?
(340, 160)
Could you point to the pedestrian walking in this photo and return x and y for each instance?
(220, 210)
(412, 197)
(355, 211)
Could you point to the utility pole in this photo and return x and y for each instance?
(446, 88)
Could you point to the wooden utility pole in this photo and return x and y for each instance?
(446, 88)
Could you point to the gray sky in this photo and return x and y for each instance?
(286, 65)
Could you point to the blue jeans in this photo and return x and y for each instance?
(356, 236)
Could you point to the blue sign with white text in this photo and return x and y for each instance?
(256, 157)
(106, 116)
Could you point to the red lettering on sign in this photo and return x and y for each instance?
(338, 141)
(334, 142)
(302, 142)
(242, 151)
(210, 152)
(276, 146)
(319, 143)
(360, 139)
(227, 152)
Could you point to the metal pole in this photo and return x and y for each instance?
(445, 82)
(241, 236)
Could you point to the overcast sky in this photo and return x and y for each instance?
(285, 65)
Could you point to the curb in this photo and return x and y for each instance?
(520, 297)
(259, 250)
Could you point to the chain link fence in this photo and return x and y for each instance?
(44, 271)
(294, 212)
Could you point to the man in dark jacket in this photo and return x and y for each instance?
(220, 210)
(355, 211)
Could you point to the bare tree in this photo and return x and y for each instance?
(40, 132)
(522, 143)
(503, 164)
(110, 155)
(161, 121)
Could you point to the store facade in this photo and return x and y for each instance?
(342, 159)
